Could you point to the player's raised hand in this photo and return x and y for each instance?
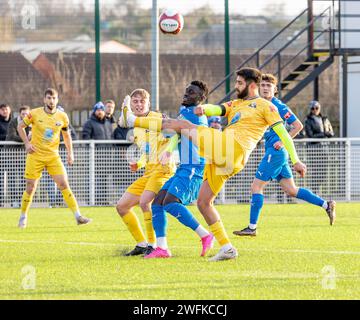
(70, 159)
(199, 110)
(29, 148)
(133, 166)
(165, 158)
(300, 168)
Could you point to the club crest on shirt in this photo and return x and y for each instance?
(272, 108)
(252, 105)
(287, 115)
(58, 124)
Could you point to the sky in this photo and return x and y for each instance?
(292, 7)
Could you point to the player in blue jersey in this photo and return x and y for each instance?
(275, 166)
(183, 188)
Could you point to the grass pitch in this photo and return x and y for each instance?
(296, 255)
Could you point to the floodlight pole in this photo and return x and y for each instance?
(97, 51)
(155, 56)
(227, 47)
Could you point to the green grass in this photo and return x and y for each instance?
(285, 260)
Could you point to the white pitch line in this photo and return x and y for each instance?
(99, 244)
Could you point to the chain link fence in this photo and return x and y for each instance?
(100, 174)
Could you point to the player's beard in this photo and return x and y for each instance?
(243, 94)
(51, 108)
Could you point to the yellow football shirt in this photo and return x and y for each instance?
(249, 119)
(152, 144)
(45, 132)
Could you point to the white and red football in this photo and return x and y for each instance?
(171, 22)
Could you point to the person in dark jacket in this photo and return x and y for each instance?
(5, 118)
(15, 173)
(110, 122)
(319, 127)
(95, 128)
(12, 133)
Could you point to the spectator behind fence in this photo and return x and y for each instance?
(12, 133)
(95, 127)
(319, 127)
(5, 118)
(15, 179)
(110, 122)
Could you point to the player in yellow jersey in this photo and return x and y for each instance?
(143, 191)
(227, 152)
(47, 122)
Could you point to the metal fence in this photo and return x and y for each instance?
(101, 174)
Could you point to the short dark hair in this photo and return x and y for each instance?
(24, 107)
(202, 85)
(51, 92)
(250, 74)
(268, 77)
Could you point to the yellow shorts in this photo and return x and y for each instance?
(152, 180)
(224, 156)
(35, 166)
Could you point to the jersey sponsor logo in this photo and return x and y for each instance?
(58, 124)
(48, 134)
(252, 105)
(287, 115)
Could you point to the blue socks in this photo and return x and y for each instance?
(180, 212)
(308, 196)
(257, 201)
(159, 220)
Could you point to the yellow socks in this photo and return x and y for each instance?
(149, 227)
(150, 123)
(219, 233)
(133, 224)
(25, 203)
(70, 201)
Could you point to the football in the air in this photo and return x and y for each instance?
(171, 22)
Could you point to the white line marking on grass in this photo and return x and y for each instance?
(180, 247)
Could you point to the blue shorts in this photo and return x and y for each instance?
(274, 166)
(185, 184)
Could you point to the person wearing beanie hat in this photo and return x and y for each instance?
(95, 128)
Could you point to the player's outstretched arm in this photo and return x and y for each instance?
(281, 131)
(210, 110)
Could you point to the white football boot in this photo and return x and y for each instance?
(225, 255)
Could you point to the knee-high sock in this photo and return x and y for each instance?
(308, 196)
(153, 124)
(257, 202)
(219, 233)
(159, 220)
(26, 203)
(70, 200)
(132, 222)
(181, 213)
(149, 227)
